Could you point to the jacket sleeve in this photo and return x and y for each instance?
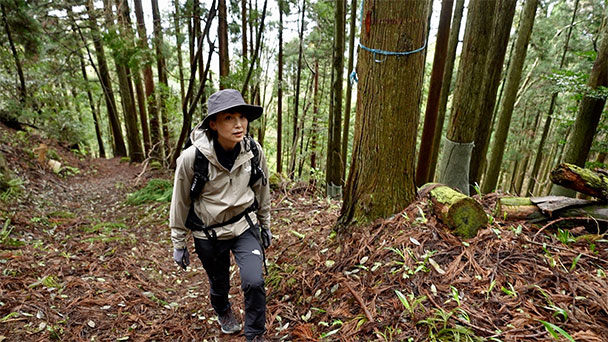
(180, 201)
(262, 193)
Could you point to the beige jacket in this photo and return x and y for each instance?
(224, 196)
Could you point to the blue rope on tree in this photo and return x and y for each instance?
(385, 52)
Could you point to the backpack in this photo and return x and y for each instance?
(201, 177)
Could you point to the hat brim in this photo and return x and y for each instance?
(252, 113)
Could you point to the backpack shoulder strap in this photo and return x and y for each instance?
(201, 174)
(256, 169)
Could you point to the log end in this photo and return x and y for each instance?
(466, 217)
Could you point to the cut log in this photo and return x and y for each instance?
(462, 214)
(586, 181)
(517, 208)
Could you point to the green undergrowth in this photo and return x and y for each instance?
(157, 190)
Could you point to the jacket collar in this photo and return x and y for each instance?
(205, 145)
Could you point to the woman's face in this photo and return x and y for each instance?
(230, 127)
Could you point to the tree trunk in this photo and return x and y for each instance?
(462, 214)
(83, 69)
(511, 88)
(244, 32)
(297, 95)
(313, 133)
(155, 132)
(589, 112)
(162, 76)
(456, 153)
(124, 81)
(334, 157)
(387, 117)
(280, 94)
(349, 85)
(423, 165)
(22, 88)
(446, 85)
(178, 42)
(254, 58)
(118, 146)
(583, 180)
(503, 18)
(222, 33)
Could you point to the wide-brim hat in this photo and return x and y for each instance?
(229, 99)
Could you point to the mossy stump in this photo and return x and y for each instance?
(462, 214)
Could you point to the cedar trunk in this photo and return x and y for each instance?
(280, 94)
(446, 84)
(162, 76)
(349, 84)
(222, 33)
(388, 106)
(334, 157)
(294, 141)
(432, 106)
(118, 144)
(511, 88)
(155, 133)
(503, 18)
(456, 153)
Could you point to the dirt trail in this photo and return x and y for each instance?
(88, 267)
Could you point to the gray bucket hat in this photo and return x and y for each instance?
(226, 99)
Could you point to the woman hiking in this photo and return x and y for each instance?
(221, 194)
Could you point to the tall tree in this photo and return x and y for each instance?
(155, 132)
(334, 157)
(162, 76)
(178, 42)
(121, 60)
(256, 52)
(11, 42)
(222, 33)
(349, 84)
(503, 19)
(432, 106)
(446, 84)
(118, 144)
(511, 87)
(387, 117)
(294, 142)
(589, 111)
(541, 145)
(244, 31)
(280, 93)
(456, 153)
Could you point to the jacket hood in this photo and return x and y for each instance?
(204, 143)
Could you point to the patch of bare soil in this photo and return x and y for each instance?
(78, 264)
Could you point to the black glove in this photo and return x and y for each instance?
(182, 257)
(266, 237)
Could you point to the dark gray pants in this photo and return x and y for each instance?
(247, 252)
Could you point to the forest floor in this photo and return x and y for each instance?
(80, 264)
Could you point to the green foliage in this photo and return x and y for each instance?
(556, 331)
(159, 190)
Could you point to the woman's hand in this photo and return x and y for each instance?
(182, 257)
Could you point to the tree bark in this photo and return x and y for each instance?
(258, 44)
(349, 85)
(155, 132)
(162, 76)
(446, 85)
(222, 33)
(462, 214)
(83, 69)
(383, 140)
(423, 165)
(118, 144)
(503, 18)
(456, 153)
(280, 94)
(511, 88)
(589, 112)
(294, 141)
(244, 31)
(124, 81)
(178, 42)
(334, 157)
(22, 87)
(313, 133)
